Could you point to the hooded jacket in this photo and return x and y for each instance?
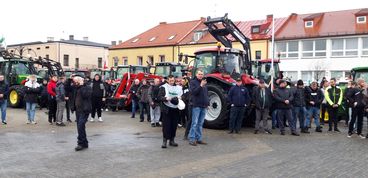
(98, 89)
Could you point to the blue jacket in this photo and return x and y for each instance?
(238, 96)
(199, 94)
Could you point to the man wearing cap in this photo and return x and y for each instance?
(283, 98)
(238, 97)
(262, 99)
(313, 97)
(334, 98)
(169, 95)
(299, 109)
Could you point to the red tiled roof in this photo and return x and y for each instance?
(244, 26)
(159, 35)
(329, 24)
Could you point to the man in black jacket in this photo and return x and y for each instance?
(262, 99)
(83, 108)
(4, 91)
(283, 98)
(98, 97)
(154, 103)
(356, 97)
(238, 97)
(313, 97)
(299, 110)
(133, 92)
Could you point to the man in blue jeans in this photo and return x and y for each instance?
(4, 90)
(200, 103)
(313, 98)
(238, 97)
(299, 110)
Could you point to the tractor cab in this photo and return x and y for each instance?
(360, 72)
(122, 69)
(262, 69)
(165, 69)
(79, 72)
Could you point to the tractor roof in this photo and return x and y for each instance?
(121, 66)
(216, 49)
(360, 69)
(168, 64)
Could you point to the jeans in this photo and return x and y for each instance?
(155, 114)
(236, 118)
(287, 115)
(274, 118)
(3, 104)
(313, 112)
(81, 127)
(134, 107)
(299, 113)
(195, 133)
(31, 110)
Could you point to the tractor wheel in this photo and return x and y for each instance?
(217, 115)
(16, 96)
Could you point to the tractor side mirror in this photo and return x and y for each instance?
(180, 57)
(268, 68)
(172, 68)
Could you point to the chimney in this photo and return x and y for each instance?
(163, 23)
(120, 41)
(85, 38)
(50, 39)
(269, 17)
(71, 37)
(113, 43)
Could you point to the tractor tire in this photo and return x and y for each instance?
(217, 114)
(16, 96)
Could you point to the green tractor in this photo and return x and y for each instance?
(16, 70)
(360, 72)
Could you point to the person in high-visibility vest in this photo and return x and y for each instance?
(334, 96)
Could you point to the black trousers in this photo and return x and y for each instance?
(332, 113)
(52, 109)
(189, 120)
(81, 127)
(67, 107)
(96, 106)
(323, 110)
(357, 113)
(285, 114)
(43, 101)
(144, 107)
(170, 123)
(183, 116)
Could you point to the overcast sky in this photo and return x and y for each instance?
(108, 20)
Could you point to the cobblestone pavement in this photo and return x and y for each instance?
(124, 147)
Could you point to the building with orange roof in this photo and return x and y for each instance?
(329, 44)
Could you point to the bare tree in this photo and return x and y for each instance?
(319, 67)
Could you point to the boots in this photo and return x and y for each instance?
(318, 129)
(305, 130)
(164, 143)
(172, 143)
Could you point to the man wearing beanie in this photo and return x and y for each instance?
(299, 110)
(169, 95)
(283, 98)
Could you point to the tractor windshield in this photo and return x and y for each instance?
(264, 71)
(164, 71)
(137, 70)
(22, 68)
(121, 71)
(211, 62)
(362, 75)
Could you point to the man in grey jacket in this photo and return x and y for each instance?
(262, 99)
(143, 101)
(61, 101)
(154, 103)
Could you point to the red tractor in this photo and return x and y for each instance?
(221, 65)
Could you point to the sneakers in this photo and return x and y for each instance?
(29, 122)
(350, 134)
(80, 148)
(34, 122)
(153, 125)
(256, 132)
(295, 134)
(180, 126)
(201, 143)
(106, 109)
(70, 121)
(60, 124)
(318, 129)
(361, 136)
(4, 122)
(100, 119)
(337, 130)
(268, 131)
(92, 119)
(231, 132)
(193, 143)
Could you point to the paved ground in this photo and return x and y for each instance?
(123, 147)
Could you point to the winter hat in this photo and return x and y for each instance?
(300, 82)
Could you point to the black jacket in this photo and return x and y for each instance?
(282, 94)
(98, 89)
(134, 91)
(31, 94)
(83, 99)
(153, 95)
(258, 101)
(199, 94)
(356, 95)
(313, 95)
(238, 96)
(4, 89)
(347, 97)
(299, 97)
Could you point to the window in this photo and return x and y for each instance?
(135, 40)
(344, 47)
(292, 75)
(255, 29)
(151, 60)
(66, 60)
(76, 62)
(47, 56)
(162, 58)
(314, 48)
(318, 75)
(258, 55)
(116, 61)
(361, 19)
(337, 74)
(288, 49)
(47, 47)
(99, 62)
(307, 76)
(153, 38)
(140, 60)
(171, 37)
(38, 48)
(197, 36)
(125, 60)
(365, 46)
(308, 24)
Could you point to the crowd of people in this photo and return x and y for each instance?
(182, 102)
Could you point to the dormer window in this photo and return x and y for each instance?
(308, 24)
(135, 40)
(197, 36)
(255, 29)
(171, 37)
(361, 19)
(153, 38)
